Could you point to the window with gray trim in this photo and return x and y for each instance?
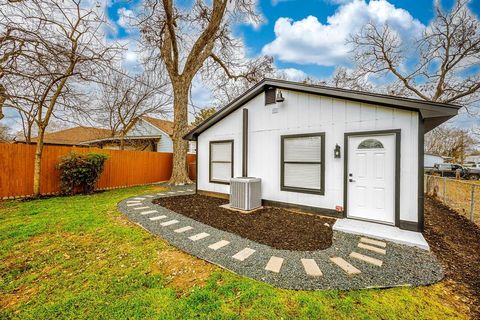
(221, 161)
(303, 163)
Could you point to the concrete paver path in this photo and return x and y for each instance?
(352, 262)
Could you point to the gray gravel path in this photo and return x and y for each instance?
(402, 265)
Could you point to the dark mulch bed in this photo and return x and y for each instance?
(275, 227)
(456, 243)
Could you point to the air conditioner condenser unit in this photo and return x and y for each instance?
(245, 193)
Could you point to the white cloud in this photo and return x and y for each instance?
(308, 41)
(293, 74)
(275, 2)
(125, 17)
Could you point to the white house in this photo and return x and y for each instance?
(473, 158)
(429, 160)
(147, 134)
(337, 152)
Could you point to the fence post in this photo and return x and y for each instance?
(444, 190)
(472, 202)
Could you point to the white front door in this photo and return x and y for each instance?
(371, 178)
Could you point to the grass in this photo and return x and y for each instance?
(79, 258)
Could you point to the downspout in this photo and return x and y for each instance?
(245, 144)
(421, 200)
(196, 163)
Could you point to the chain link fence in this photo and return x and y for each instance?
(461, 196)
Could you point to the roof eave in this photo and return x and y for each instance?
(427, 109)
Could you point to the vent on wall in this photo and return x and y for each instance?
(270, 95)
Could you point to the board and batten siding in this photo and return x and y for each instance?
(308, 113)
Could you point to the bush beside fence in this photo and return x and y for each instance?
(461, 196)
(122, 169)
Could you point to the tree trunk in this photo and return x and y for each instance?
(28, 137)
(2, 100)
(38, 162)
(180, 128)
(122, 141)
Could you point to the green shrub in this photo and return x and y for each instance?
(80, 172)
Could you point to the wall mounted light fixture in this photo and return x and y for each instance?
(279, 97)
(336, 151)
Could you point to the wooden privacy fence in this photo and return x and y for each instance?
(123, 168)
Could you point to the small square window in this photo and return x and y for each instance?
(302, 163)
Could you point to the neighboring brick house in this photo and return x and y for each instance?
(146, 134)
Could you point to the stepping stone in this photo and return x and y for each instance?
(157, 218)
(190, 190)
(183, 229)
(149, 196)
(344, 265)
(372, 248)
(133, 204)
(365, 258)
(198, 236)
(374, 242)
(181, 191)
(161, 193)
(133, 201)
(139, 198)
(243, 254)
(148, 212)
(274, 264)
(311, 268)
(219, 244)
(141, 208)
(169, 223)
(170, 192)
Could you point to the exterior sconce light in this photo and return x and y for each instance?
(336, 152)
(279, 97)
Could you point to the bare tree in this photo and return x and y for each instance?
(186, 40)
(451, 142)
(6, 135)
(446, 54)
(126, 98)
(62, 46)
(343, 78)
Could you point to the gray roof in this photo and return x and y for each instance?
(433, 113)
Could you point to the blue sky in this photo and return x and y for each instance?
(294, 15)
(307, 37)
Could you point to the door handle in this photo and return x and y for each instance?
(351, 180)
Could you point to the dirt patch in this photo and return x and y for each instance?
(182, 270)
(456, 243)
(275, 227)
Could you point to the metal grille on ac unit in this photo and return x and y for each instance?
(245, 193)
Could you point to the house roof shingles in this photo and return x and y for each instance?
(164, 125)
(75, 136)
(80, 135)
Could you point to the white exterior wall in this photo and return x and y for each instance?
(143, 128)
(308, 113)
(475, 159)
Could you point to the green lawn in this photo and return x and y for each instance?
(78, 257)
